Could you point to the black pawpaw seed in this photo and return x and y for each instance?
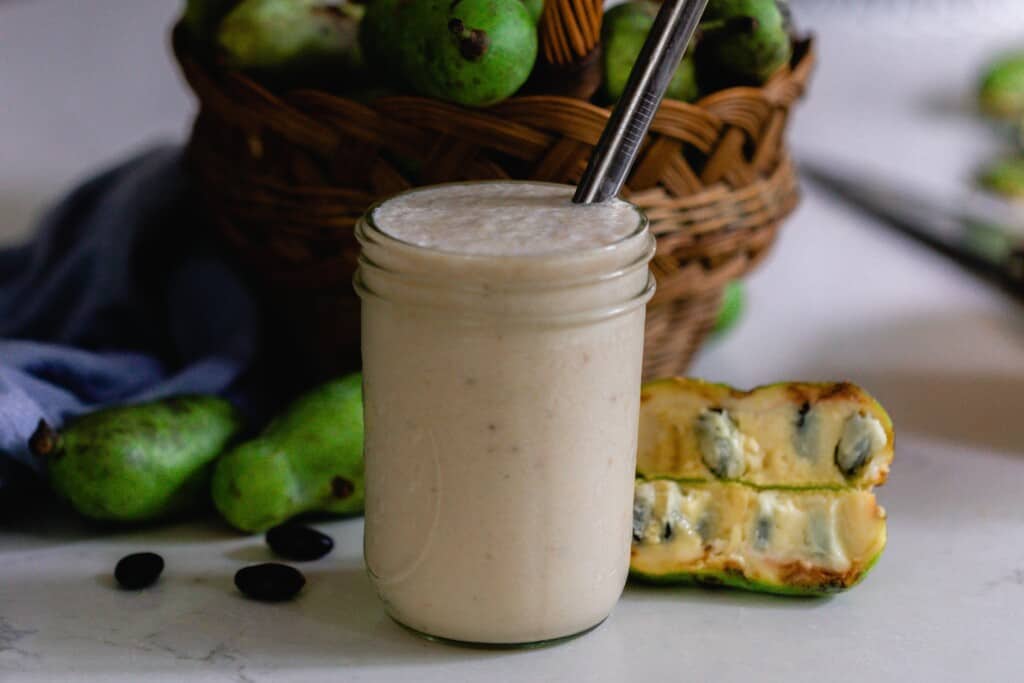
(299, 542)
(270, 582)
(861, 436)
(851, 458)
(801, 417)
(138, 570)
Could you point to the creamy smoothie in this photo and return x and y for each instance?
(502, 345)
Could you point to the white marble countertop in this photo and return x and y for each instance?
(840, 298)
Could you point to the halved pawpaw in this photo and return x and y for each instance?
(795, 435)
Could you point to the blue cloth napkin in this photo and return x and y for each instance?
(119, 298)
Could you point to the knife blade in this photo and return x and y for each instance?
(981, 233)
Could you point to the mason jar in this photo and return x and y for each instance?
(502, 343)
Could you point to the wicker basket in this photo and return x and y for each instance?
(286, 176)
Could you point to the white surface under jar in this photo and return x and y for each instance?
(502, 346)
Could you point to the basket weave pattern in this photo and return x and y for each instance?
(285, 177)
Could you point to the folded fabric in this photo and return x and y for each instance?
(119, 298)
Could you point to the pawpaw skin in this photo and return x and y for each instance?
(470, 52)
(139, 463)
(1004, 177)
(623, 33)
(742, 42)
(294, 43)
(738, 581)
(308, 460)
(731, 308)
(535, 8)
(1001, 90)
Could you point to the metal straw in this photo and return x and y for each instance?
(616, 150)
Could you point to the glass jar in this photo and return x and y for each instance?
(501, 396)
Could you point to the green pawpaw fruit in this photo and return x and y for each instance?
(623, 33)
(309, 459)
(1001, 91)
(1004, 177)
(472, 52)
(765, 490)
(138, 463)
(535, 8)
(731, 308)
(294, 43)
(742, 42)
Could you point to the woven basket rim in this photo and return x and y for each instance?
(287, 174)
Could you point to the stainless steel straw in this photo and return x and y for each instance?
(616, 150)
